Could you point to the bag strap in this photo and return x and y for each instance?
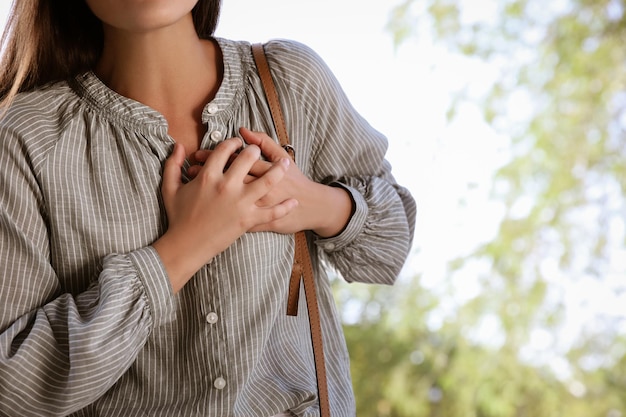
(302, 268)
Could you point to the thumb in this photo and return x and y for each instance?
(172, 177)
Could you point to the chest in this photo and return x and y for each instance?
(102, 195)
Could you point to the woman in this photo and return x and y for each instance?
(129, 289)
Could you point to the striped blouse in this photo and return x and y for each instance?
(89, 325)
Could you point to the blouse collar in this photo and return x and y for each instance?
(137, 115)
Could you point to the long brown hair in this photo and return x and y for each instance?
(53, 40)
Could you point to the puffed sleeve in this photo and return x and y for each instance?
(347, 152)
(58, 351)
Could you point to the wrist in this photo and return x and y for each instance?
(334, 210)
(180, 257)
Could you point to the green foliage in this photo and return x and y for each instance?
(401, 368)
(400, 23)
(569, 153)
(561, 98)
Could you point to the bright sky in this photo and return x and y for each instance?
(404, 93)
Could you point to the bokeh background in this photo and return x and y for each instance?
(506, 120)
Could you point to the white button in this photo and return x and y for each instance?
(329, 246)
(216, 135)
(219, 383)
(212, 109)
(211, 318)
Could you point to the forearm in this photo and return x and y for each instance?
(64, 355)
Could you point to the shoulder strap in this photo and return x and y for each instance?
(302, 268)
(270, 93)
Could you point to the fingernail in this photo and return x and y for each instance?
(285, 162)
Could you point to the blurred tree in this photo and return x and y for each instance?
(560, 96)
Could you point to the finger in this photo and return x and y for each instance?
(193, 171)
(200, 159)
(267, 181)
(270, 149)
(219, 157)
(241, 165)
(201, 155)
(172, 177)
(268, 216)
(260, 168)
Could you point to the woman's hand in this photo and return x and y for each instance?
(325, 210)
(209, 213)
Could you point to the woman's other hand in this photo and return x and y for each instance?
(217, 206)
(325, 210)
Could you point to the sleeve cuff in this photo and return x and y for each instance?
(355, 224)
(153, 276)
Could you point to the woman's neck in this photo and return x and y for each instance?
(161, 68)
(169, 69)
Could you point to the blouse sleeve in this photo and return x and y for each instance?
(60, 352)
(347, 152)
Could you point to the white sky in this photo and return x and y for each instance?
(404, 93)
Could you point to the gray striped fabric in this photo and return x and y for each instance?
(88, 322)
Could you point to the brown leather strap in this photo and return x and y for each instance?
(281, 130)
(270, 93)
(302, 268)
